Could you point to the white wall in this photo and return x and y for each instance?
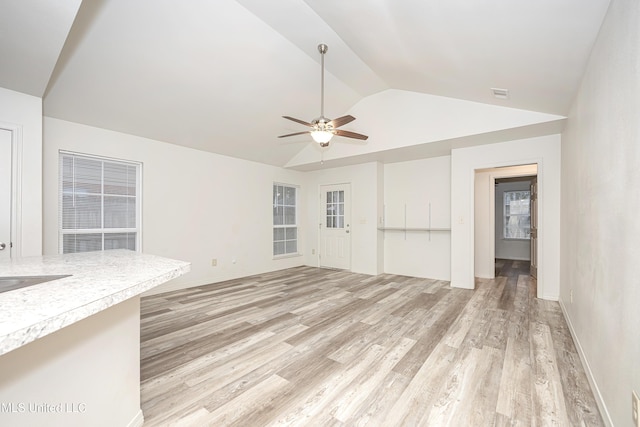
(365, 214)
(543, 151)
(196, 205)
(415, 185)
(600, 239)
(23, 114)
(483, 214)
(509, 248)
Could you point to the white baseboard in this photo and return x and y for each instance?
(137, 421)
(587, 369)
(552, 297)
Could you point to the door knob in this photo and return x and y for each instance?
(347, 231)
(2, 246)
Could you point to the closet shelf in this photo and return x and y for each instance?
(412, 229)
(406, 229)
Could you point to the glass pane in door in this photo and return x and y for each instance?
(335, 209)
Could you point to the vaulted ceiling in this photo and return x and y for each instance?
(218, 75)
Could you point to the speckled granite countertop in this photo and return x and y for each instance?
(98, 281)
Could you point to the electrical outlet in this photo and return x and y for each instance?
(313, 251)
(214, 262)
(635, 405)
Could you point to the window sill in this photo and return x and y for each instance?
(276, 257)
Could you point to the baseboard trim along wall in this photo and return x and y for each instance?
(137, 421)
(606, 418)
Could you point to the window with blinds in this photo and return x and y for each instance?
(99, 204)
(285, 229)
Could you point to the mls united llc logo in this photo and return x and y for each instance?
(42, 408)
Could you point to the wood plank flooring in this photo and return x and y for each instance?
(308, 346)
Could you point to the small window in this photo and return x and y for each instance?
(517, 215)
(99, 204)
(285, 229)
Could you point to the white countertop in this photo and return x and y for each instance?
(98, 281)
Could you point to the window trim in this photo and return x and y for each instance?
(139, 177)
(296, 225)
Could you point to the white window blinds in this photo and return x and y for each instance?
(99, 204)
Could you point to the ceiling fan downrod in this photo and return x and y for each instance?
(322, 48)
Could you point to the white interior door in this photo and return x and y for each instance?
(335, 226)
(5, 194)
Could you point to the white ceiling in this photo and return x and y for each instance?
(32, 34)
(218, 75)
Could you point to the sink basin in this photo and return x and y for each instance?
(18, 282)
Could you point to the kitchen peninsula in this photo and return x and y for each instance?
(70, 347)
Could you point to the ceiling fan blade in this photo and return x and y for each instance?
(349, 134)
(293, 134)
(302, 122)
(340, 121)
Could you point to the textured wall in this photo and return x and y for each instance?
(600, 203)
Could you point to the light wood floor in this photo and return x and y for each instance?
(307, 346)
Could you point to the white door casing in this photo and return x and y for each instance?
(335, 226)
(534, 228)
(5, 193)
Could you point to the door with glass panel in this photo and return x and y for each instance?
(335, 226)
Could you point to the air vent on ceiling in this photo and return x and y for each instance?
(500, 93)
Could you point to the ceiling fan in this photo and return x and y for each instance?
(322, 128)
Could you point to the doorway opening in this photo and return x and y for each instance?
(516, 221)
(505, 219)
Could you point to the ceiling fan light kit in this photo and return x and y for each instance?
(321, 136)
(323, 129)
